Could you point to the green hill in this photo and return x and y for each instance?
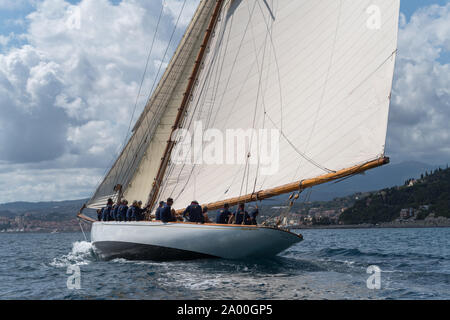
(429, 194)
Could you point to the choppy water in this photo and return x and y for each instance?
(329, 264)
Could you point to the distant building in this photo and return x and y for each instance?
(407, 213)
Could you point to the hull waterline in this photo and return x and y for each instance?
(184, 241)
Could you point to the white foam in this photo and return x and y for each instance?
(80, 255)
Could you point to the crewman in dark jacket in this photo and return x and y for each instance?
(139, 212)
(224, 215)
(115, 212)
(99, 214)
(241, 216)
(131, 213)
(166, 212)
(158, 210)
(254, 215)
(107, 211)
(123, 208)
(194, 213)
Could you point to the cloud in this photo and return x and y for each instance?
(420, 111)
(66, 96)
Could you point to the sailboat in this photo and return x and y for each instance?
(318, 72)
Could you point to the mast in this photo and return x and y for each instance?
(297, 186)
(181, 111)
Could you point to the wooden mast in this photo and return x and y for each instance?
(181, 111)
(297, 186)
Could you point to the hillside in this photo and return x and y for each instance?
(383, 177)
(430, 194)
(39, 217)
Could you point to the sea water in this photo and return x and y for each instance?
(328, 264)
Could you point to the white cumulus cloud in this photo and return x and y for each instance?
(420, 111)
(67, 95)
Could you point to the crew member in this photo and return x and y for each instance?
(115, 212)
(240, 216)
(131, 212)
(106, 212)
(194, 213)
(254, 215)
(123, 208)
(158, 210)
(139, 212)
(99, 214)
(166, 212)
(224, 216)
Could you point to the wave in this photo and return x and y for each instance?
(354, 252)
(81, 254)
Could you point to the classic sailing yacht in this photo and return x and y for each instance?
(317, 71)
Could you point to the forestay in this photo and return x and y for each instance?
(317, 71)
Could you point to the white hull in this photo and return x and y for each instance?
(179, 241)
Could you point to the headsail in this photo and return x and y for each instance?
(136, 167)
(318, 71)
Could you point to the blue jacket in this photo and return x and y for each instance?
(158, 213)
(122, 213)
(166, 214)
(195, 213)
(253, 215)
(115, 212)
(139, 214)
(241, 216)
(223, 217)
(131, 213)
(106, 213)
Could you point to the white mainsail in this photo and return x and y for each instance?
(136, 167)
(319, 71)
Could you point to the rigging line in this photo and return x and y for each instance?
(270, 33)
(327, 76)
(241, 89)
(170, 165)
(298, 151)
(193, 113)
(206, 83)
(79, 222)
(261, 72)
(236, 58)
(154, 82)
(139, 92)
(198, 103)
(219, 55)
(141, 84)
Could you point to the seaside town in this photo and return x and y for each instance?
(418, 202)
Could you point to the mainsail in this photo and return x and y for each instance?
(318, 72)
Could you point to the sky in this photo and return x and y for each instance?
(68, 87)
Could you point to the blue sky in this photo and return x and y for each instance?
(58, 87)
